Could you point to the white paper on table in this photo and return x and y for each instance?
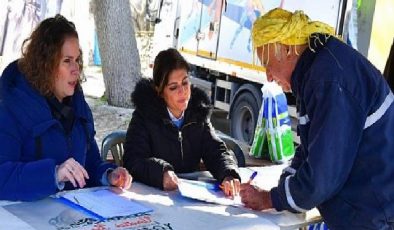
(207, 192)
(105, 203)
(267, 177)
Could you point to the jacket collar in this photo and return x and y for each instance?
(316, 43)
(26, 104)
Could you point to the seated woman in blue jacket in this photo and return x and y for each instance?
(46, 127)
(170, 131)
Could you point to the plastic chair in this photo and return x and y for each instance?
(114, 142)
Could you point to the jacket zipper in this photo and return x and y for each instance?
(180, 141)
(180, 138)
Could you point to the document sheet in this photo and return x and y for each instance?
(205, 191)
(105, 203)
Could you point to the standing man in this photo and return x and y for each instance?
(345, 163)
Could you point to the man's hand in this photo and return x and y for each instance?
(120, 177)
(72, 171)
(170, 181)
(230, 186)
(255, 198)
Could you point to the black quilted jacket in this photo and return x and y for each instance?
(154, 144)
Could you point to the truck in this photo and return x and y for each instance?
(214, 37)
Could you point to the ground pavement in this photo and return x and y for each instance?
(106, 118)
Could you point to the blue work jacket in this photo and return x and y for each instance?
(345, 163)
(33, 142)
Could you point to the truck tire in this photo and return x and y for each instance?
(234, 149)
(244, 117)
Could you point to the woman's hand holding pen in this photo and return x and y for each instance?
(72, 171)
(230, 186)
(120, 177)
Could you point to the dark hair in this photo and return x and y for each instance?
(41, 52)
(165, 62)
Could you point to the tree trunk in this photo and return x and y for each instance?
(118, 48)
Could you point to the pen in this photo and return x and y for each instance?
(76, 200)
(254, 174)
(251, 178)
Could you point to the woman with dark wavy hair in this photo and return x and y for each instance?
(46, 127)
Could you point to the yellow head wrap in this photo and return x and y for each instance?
(287, 28)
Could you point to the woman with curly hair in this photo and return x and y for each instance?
(46, 127)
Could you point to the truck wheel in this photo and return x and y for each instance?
(244, 117)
